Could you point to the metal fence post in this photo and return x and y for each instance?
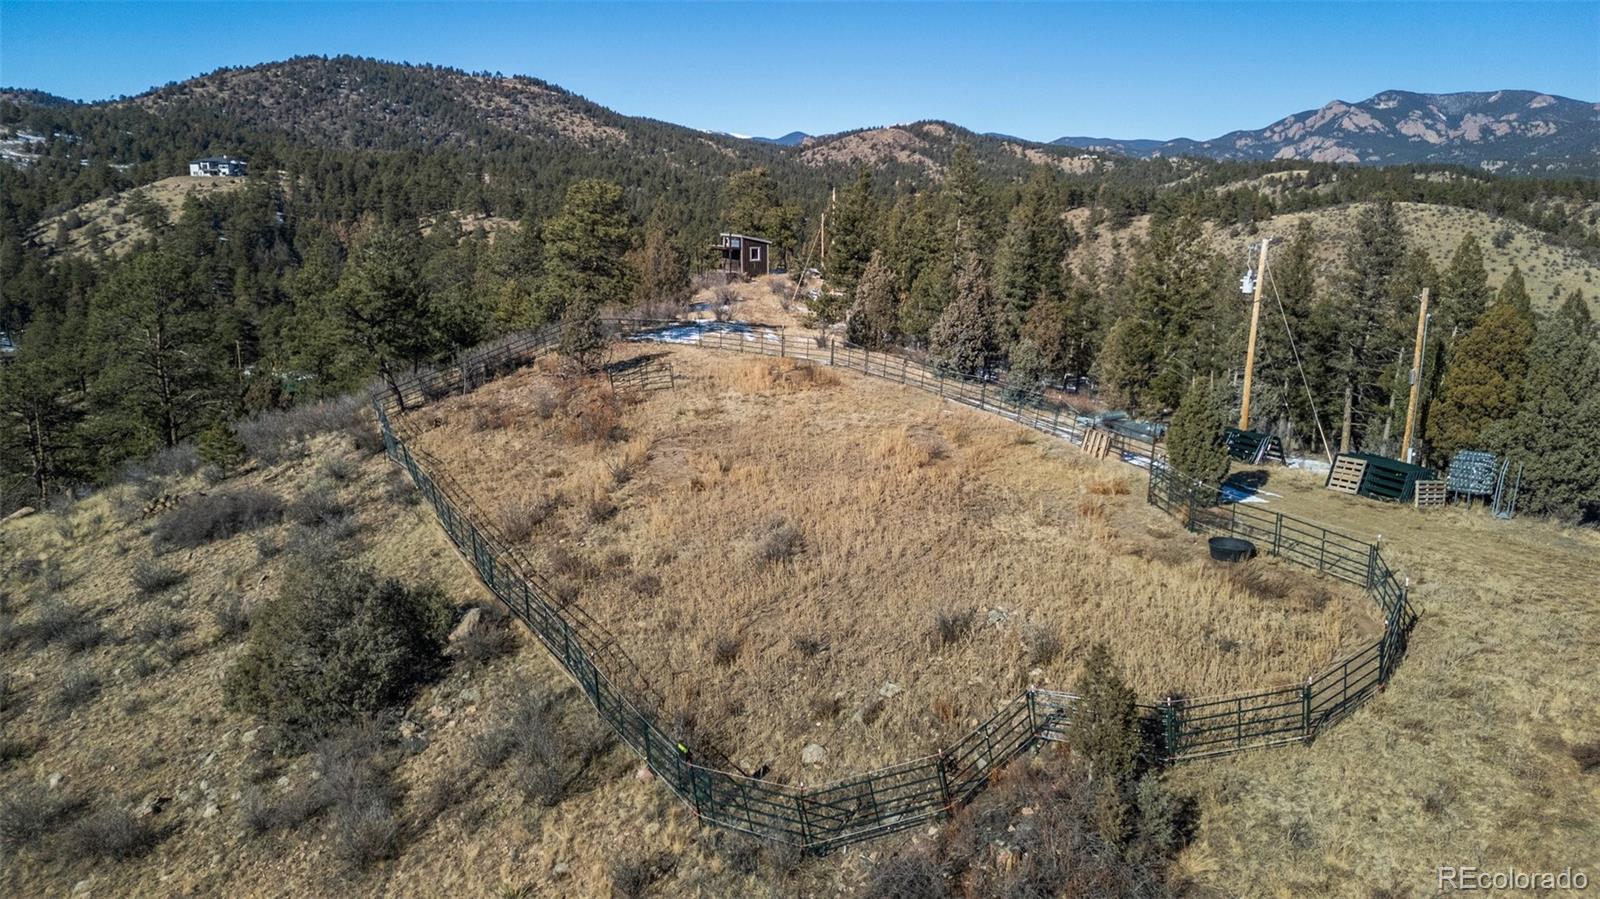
(1170, 728)
(1305, 711)
(830, 354)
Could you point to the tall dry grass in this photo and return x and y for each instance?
(810, 536)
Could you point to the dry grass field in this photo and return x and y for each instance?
(795, 555)
(1484, 750)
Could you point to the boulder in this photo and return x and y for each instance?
(468, 624)
(813, 754)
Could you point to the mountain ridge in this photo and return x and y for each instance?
(1516, 131)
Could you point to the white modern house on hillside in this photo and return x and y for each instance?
(217, 167)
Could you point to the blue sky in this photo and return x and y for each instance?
(1034, 70)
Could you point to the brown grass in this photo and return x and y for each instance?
(781, 506)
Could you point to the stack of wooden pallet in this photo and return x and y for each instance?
(1430, 494)
(1097, 443)
(1347, 474)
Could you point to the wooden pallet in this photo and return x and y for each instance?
(1347, 474)
(1097, 443)
(1430, 494)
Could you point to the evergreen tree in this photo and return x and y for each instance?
(1126, 365)
(663, 288)
(874, 314)
(1362, 323)
(1105, 720)
(161, 369)
(1483, 383)
(1174, 286)
(1557, 425)
(381, 306)
(584, 252)
(1029, 259)
(1195, 447)
(962, 340)
(751, 205)
(39, 415)
(1027, 369)
(1463, 291)
(851, 239)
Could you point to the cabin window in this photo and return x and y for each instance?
(755, 254)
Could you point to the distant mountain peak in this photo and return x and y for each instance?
(1506, 130)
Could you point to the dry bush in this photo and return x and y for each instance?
(232, 617)
(57, 622)
(950, 625)
(521, 516)
(725, 650)
(151, 577)
(775, 375)
(1042, 644)
(29, 812)
(486, 642)
(593, 414)
(907, 449)
(318, 507)
(810, 645)
(78, 686)
(273, 436)
(646, 585)
(111, 833)
(776, 540)
(907, 875)
(632, 878)
(217, 516)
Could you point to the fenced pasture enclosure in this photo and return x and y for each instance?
(909, 793)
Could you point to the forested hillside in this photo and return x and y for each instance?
(340, 257)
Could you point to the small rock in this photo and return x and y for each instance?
(813, 754)
(283, 781)
(1027, 811)
(468, 623)
(436, 711)
(210, 811)
(471, 694)
(643, 774)
(24, 512)
(560, 869)
(890, 690)
(151, 805)
(998, 616)
(209, 759)
(81, 888)
(249, 736)
(56, 780)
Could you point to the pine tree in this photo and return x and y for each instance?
(1463, 291)
(1126, 363)
(162, 370)
(1364, 316)
(381, 306)
(874, 313)
(852, 236)
(751, 205)
(1174, 287)
(1029, 259)
(962, 340)
(584, 250)
(1483, 382)
(40, 414)
(1557, 425)
(1195, 447)
(662, 289)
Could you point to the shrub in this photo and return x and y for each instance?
(316, 508)
(1042, 644)
(58, 622)
(593, 414)
(338, 469)
(778, 541)
(217, 516)
(158, 628)
(521, 516)
(78, 686)
(725, 651)
(270, 436)
(1587, 755)
(647, 585)
(111, 833)
(337, 643)
(221, 447)
(232, 617)
(907, 875)
(151, 577)
(631, 878)
(949, 626)
(485, 643)
(398, 489)
(30, 812)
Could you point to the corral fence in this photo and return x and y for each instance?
(822, 818)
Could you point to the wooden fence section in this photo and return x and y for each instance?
(904, 795)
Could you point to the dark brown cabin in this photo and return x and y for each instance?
(743, 255)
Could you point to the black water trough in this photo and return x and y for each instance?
(1231, 549)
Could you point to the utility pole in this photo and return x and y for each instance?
(1416, 378)
(1255, 321)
